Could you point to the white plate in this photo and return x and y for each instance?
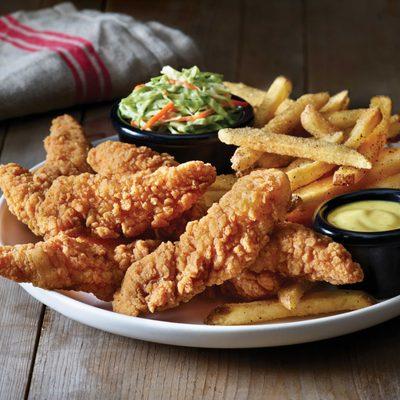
(183, 325)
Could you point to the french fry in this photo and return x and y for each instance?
(279, 90)
(284, 106)
(315, 123)
(372, 144)
(322, 190)
(244, 158)
(394, 127)
(296, 163)
(307, 173)
(367, 122)
(270, 160)
(290, 295)
(283, 123)
(313, 149)
(315, 303)
(384, 104)
(264, 102)
(340, 101)
(252, 95)
(345, 118)
(391, 182)
(288, 120)
(223, 182)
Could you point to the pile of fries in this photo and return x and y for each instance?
(325, 148)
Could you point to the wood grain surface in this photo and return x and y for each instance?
(320, 45)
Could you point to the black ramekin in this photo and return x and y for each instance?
(378, 253)
(184, 147)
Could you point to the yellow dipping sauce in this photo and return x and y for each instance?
(367, 216)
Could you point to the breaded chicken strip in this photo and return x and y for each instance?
(118, 158)
(67, 149)
(295, 251)
(82, 263)
(109, 206)
(212, 250)
(250, 285)
(110, 158)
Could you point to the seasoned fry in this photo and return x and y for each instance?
(288, 120)
(290, 295)
(394, 127)
(391, 182)
(222, 184)
(318, 150)
(346, 118)
(296, 163)
(316, 303)
(244, 158)
(339, 101)
(283, 123)
(307, 173)
(284, 106)
(371, 145)
(279, 91)
(367, 122)
(270, 160)
(384, 104)
(322, 190)
(252, 95)
(315, 123)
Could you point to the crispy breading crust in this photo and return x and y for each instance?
(110, 158)
(297, 251)
(252, 285)
(67, 149)
(212, 250)
(82, 263)
(109, 206)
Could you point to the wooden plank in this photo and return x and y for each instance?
(272, 43)
(81, 362)
(351, 45)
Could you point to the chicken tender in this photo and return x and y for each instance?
(110, 158)
(67, 149)
(212, 250)
(295, 251)
(108, 206)
(250, 285)
(82, 263)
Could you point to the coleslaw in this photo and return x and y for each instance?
(181, 102)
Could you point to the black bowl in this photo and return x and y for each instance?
(184, 147)
(378, 253)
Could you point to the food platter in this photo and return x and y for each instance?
(227, 255)
(183, 326)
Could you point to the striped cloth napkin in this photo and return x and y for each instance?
(57, 57)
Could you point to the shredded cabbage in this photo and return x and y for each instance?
(201, 103)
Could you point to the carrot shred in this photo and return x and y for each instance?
(190, 118)
(139, 86)
(157, 117)
(187, 85)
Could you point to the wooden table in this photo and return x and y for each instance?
(320, 45)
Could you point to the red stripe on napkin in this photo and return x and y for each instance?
(81, 42)
(86, 69)
(7, 37)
